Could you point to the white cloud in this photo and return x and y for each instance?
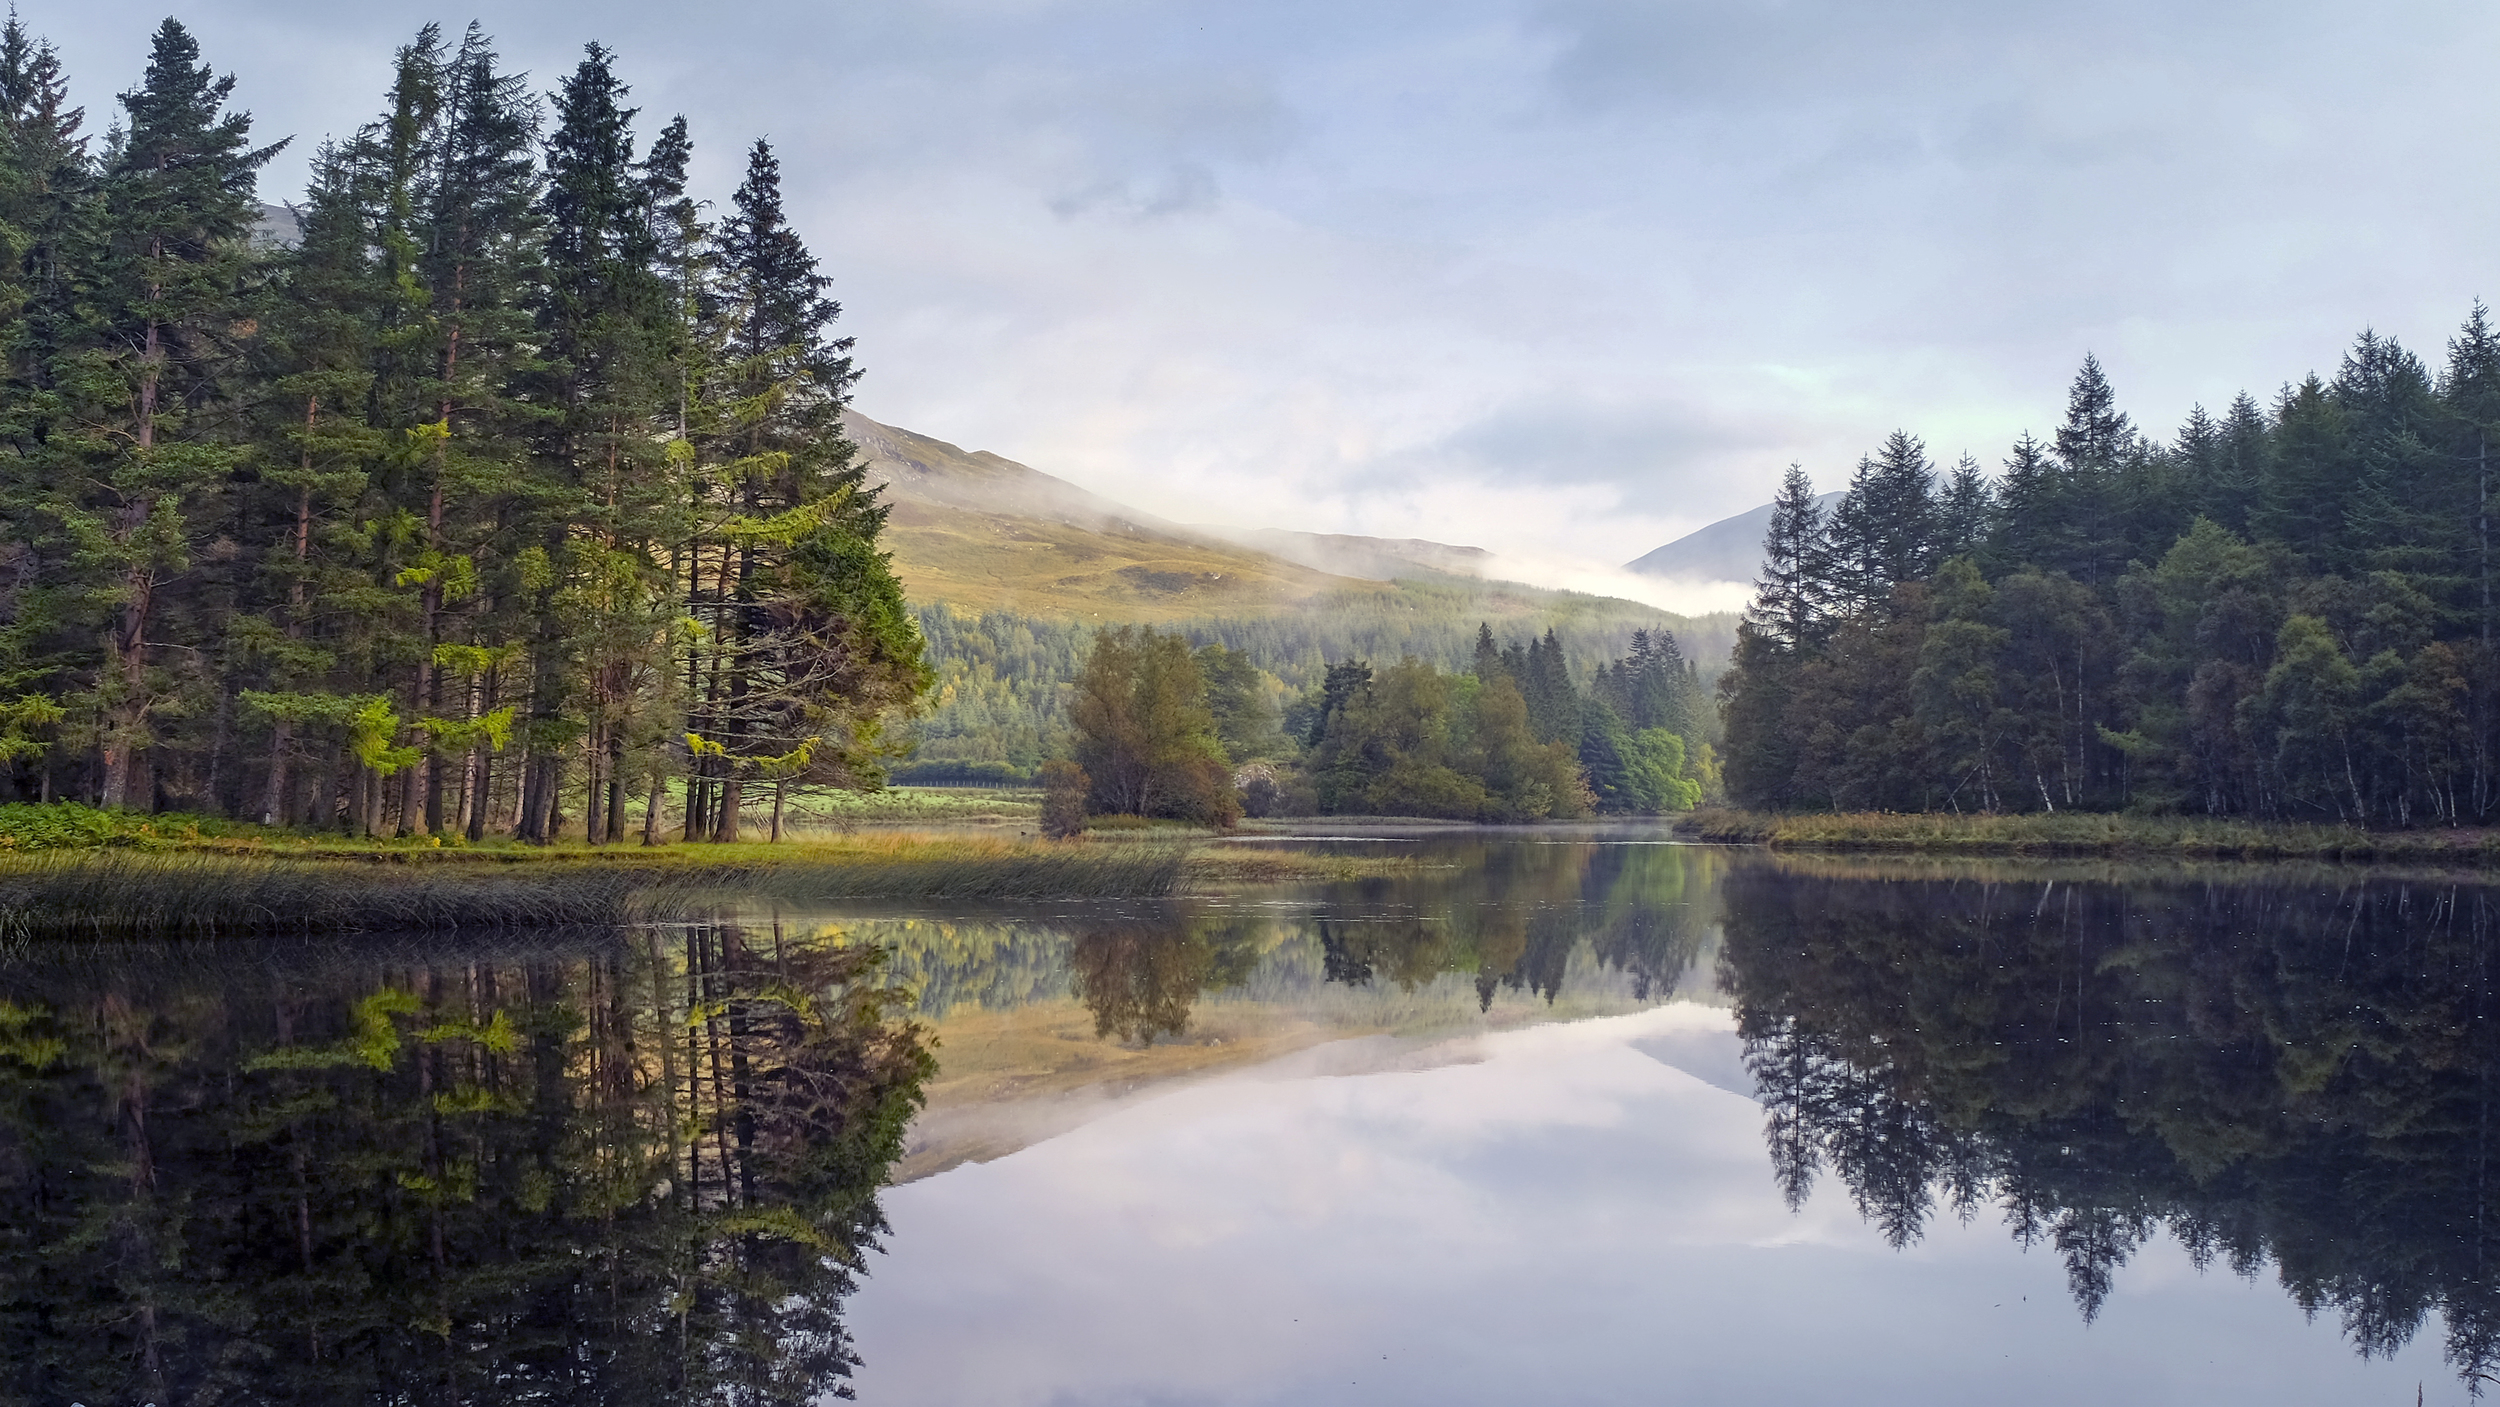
(1562, 278)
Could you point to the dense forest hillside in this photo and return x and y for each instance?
(1003, 677)
(2283, 610)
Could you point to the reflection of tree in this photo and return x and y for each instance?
(1142, 978)
(1512, 915)
(2295, 1074)
(626, 1173)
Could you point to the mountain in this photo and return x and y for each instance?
(981, 532)
(1009, 570)
(1727, 550)
(1369, 558)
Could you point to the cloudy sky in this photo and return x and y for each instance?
(1565, 278)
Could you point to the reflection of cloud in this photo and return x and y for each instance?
(1568, 1219)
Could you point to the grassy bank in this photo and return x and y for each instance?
(210, 888)
(204, 892)
(2086, 834)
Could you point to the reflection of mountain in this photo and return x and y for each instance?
(624, 1173)
(2301, 1074)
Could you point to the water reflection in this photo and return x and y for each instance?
(1493, 916)
(2270, 1066)
(615, 1171)
(1050, 1014)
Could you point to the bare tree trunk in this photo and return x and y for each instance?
(273, 798)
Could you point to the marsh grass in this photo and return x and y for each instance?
(200, 894)
(2085, 834)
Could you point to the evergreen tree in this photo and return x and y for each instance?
(1966, 512)
(141, 488)
(1789, 603)
(298, 532)
(1887, 530)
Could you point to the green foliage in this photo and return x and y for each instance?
(1145, 737)
(2282, 614)
(461, 511)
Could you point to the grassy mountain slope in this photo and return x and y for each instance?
(983, 533)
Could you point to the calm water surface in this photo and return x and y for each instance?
(1544, 1117)
(1624, 1122)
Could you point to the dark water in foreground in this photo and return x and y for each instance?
(1573, 1119)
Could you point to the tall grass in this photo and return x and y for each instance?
(120, 894)
(2092, 833)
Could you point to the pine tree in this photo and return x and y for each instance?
(1886, 531)
(1790, 604)
(45, 185)
(1965, 512)
(178, 201)
(795, 476)
(480, 264)
(2470, 392)
(601, 313)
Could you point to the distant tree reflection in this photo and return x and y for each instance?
(632, 1171)
(1513, 915)
(1141, 979)
(2294, 1073)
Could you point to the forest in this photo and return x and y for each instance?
(503, 491)
(2281, 612)
(999, 707)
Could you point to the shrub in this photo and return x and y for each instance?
(1064, 787)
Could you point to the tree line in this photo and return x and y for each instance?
(999, 707)
(502, 493)
(2282, 612)
(1163, 730)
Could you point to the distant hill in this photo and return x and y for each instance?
(277, 228)
(1727, 550)
(981, 532)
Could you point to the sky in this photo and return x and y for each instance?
(1560, 278)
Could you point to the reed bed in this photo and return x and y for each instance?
(123, 894)
(2087, 834)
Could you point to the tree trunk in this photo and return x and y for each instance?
(651, 809)
(733, 791)
(273, 799)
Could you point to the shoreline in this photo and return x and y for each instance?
(2070, 835)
